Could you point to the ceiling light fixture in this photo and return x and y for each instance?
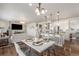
(39, 10)
(58, 13)
(30, 4)
(58, 27)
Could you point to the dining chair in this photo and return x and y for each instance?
(59, 51)
(52, 50)
(67, 47)
(18, 50)
(45, 53)
(58, 48)
(63, 50)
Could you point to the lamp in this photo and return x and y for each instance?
(39, 10)
(58, 13)
(58, 22)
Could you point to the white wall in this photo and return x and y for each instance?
(74, 23)
(18, 36)
(15, 37)
(4, 25)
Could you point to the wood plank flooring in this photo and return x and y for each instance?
(10, 51)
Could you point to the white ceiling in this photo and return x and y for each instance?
(22, 11)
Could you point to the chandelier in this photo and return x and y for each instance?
(39, 10)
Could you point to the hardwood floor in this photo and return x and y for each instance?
(10, 51)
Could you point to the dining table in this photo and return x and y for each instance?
(39, 49)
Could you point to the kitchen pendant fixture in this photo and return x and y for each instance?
(58, 17)
(39, 10)
(58, 27)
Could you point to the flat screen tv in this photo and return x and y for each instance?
(16, 26)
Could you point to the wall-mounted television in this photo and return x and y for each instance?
(16, 26)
